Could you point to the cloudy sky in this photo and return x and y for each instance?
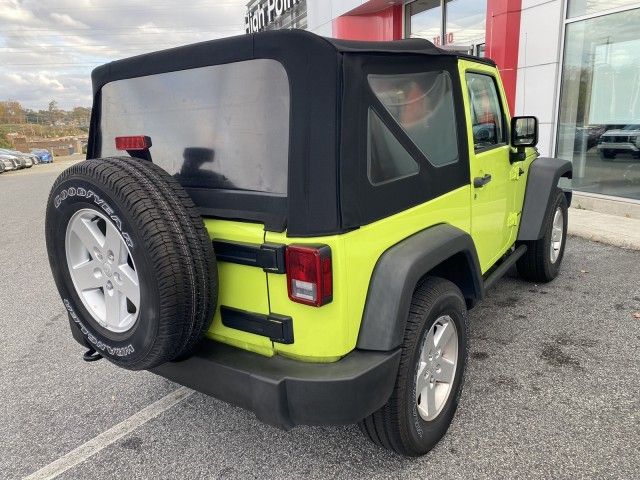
(49, 47)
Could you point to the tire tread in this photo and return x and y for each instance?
(174, 238)
(387, 427)
(535, 265)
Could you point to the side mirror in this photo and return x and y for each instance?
(524, 132)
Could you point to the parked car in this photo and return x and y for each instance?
(25, 158)
(620, 140)
(19, 162)
(8, 162)
(2, 167)
(367, 196)
(44, 156)
(584, 137)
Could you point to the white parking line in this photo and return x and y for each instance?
(93, 446)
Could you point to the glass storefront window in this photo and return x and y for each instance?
(424, 19)
(466, 21)
(577, 8)
(599, 115)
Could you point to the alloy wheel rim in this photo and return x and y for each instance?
(557, 232)
(102, 270)
(436, 368)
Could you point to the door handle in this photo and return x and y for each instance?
(480, 182)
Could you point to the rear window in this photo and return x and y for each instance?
(222, 126)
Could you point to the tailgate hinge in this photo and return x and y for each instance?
(268, 256)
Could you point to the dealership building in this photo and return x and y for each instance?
(575, 64)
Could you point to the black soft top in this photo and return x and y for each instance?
(285, 43)
(316, 73)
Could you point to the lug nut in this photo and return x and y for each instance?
(110, 256)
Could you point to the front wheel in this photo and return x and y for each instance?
(541, 262)
(430, 375)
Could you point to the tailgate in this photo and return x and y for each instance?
(241, 287)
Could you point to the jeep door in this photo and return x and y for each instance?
(493, 220)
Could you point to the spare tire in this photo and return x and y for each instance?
(132, 260)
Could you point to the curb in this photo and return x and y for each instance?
(599, 227)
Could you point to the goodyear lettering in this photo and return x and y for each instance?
(90, 194)
(98, 344)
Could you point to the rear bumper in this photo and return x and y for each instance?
(285, 392)
(627, 147)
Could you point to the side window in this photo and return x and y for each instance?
(487, 118)
(422, 104)
(387, 159)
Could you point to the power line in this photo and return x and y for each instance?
(51, 63)
(120, 27)
(137, 8)
(125, 34)
(57, 46)
(170, 5)
(100, 49)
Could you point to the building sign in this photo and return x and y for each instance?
(448, 39)
(262, 13)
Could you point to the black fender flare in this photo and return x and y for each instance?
(544, 173)
(397, 273)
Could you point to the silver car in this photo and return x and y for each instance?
(24, 158)
(8, 162)
(620, 140)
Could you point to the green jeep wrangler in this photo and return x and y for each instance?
(298, 225)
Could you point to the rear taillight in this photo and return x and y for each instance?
(309, 274)
(137, 142)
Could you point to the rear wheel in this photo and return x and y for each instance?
(541, 262)
(131, 259)
(607, 155)
(430, 375)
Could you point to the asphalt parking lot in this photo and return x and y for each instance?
(552, 389)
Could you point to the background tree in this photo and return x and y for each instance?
(53, 112)
(11, 112)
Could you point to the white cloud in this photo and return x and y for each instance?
(48, 49)
(12, 11)
(66, 20)
(16, 79)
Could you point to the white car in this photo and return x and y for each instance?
(620, 140)
(25, 158)
(8, 163)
